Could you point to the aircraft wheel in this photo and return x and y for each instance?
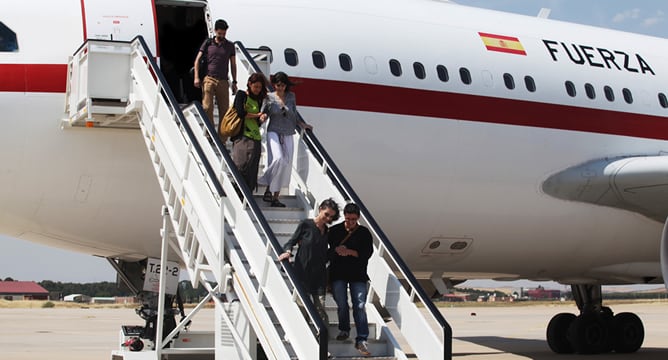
(590, 334)
(629, 333)
(557, 331)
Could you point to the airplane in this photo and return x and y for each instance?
(488, 145)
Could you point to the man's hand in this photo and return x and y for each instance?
(196, 83)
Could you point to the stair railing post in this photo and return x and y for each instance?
(163, 281)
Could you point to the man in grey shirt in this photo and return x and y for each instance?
(218, 53)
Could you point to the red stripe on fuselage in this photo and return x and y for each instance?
(50, 78)
(439, 104)
(403, 101)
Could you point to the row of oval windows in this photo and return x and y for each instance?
(345, 62)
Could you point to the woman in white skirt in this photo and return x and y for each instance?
(281, 106)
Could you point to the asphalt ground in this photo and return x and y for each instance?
(480, 332)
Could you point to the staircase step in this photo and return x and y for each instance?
(346, 349)
(283, 226)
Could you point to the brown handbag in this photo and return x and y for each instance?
(230, 125)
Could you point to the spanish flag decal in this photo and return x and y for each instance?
(506, 44)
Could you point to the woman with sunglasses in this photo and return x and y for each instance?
(282, 110)
(311, 259)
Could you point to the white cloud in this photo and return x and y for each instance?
(657, 18)
(626, 15)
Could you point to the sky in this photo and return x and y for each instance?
(647, 17)
(23, 260)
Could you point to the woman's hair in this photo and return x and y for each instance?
(254, 78)
(331, 204)
(281, 77)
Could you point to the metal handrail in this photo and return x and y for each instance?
(340, 182)
(176, 110)
(337, 178)
(320, 327)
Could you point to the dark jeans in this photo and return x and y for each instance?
(358, 293)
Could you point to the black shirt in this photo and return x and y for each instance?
(350, 268)
(311, 259)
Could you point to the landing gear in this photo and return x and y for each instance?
(557, 331)
(595, 330)
(628, 333)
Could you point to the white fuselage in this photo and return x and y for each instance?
(431, 159)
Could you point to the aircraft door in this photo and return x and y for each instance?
(120, 20)
(183, 25)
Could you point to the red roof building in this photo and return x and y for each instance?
(22, 290)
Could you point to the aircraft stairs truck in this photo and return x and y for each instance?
(214, 227)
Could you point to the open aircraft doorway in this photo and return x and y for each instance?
(182, 27)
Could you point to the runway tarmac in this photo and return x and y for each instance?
(480, 333)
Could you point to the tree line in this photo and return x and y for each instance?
(111, 289)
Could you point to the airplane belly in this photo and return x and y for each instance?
(481, 184)
(88, 190)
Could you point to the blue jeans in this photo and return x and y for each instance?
(358, 293)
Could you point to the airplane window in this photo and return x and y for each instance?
(609, 94)
(345, 62)
(442, 72)
(395, 67)
(465, 75)
(318, 59)
(530, 83)
(589, 89)
(509, 81)
(420, 73)
(570, 88)
(628, 97)
(8, 40)
(663, 100)
(271, 54)
(291, 57)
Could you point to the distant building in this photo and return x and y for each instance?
(542, 293)
(22, 290)
(77, 298)
(455, 297)
(103, 300)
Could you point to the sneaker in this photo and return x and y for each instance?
(362, 348)
(342, 335)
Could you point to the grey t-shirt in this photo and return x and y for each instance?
(282, 119)
(218, 58)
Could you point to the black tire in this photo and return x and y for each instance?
(590, 334)
(629, 333)
(557, 331)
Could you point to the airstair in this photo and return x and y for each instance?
(226, 240)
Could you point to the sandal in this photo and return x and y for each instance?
(276, 203)
(268, 197)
